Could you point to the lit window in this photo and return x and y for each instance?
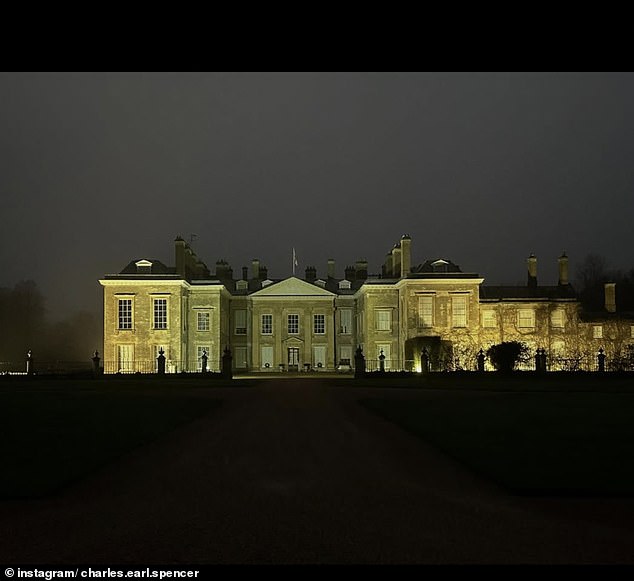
(203, 321)
(632, 331)
(489, 320)
(526, 318)
(459, 311)
(345, 354)
(557, 318)
(319, 324)
(125, 313)
(426, 311)
(346, 321)
(241, 322)
(597, 332)
(160, 313)
(293, 324)
(125, 358)
(240, 357)
(267, 324)
(383, 319)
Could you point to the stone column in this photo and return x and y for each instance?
(160, 362)
(227, 372)
(95, 364)
(359, 363)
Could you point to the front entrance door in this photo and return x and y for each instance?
(293, 358)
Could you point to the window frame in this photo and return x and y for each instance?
(269, 326)
(206, 316)
(157, 324)
(239, 330)
(130, 323)
(378, 323)
(521, 318)
(322, 325)
(295, 326)
(463, 322)
(422, 299)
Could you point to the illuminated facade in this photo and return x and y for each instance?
(316, 323)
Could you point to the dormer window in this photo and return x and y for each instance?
(321, 283)
(440, 265)
(143, 267)
(266, 282)
(242, 285)
(344, 283)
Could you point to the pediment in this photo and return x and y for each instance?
(292, 287)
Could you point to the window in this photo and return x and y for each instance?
(346, 321)
(267, 324)
(125, 314)
(267, 356)
(632, 331)
(344, 284)
(200, 349)
(319, 356)
(240, 357)
(526, 318)
(459, 311)
(203, 321)
(597, 332)
(319, 324)
(125, 358)
(242, 285)
(345, 354)
(426, 311)
(241, 322)
(160, 313)
(557, 319)
(489, 320)
(293, 324)
(383, 319)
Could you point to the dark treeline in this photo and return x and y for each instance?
(591, 276)
(24, 325)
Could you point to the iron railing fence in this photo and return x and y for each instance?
(46, 367)
(151, 366)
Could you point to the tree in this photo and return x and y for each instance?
(505, 356)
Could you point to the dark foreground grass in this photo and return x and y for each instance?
(52, 437)
(568, 444)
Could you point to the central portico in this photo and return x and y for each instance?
(293, 325)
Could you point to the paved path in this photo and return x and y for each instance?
(296, 471)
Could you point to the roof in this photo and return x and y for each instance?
(502, 292)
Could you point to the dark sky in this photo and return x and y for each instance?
(482, 169)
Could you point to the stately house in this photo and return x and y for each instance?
(316, 322)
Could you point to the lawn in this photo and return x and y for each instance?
(54, 436)
(560, 443)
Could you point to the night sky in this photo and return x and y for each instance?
(481, 169)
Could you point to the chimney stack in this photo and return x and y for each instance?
(349, 273)
(245, 273)
(610, 297)
(396, 260)
(361, 269)
(406, 255)
(311, 274)
(180, 255)
(532, 271)
(264, 273)
(331, 268)
(255, 268)
(563, 269)
(388, 265)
